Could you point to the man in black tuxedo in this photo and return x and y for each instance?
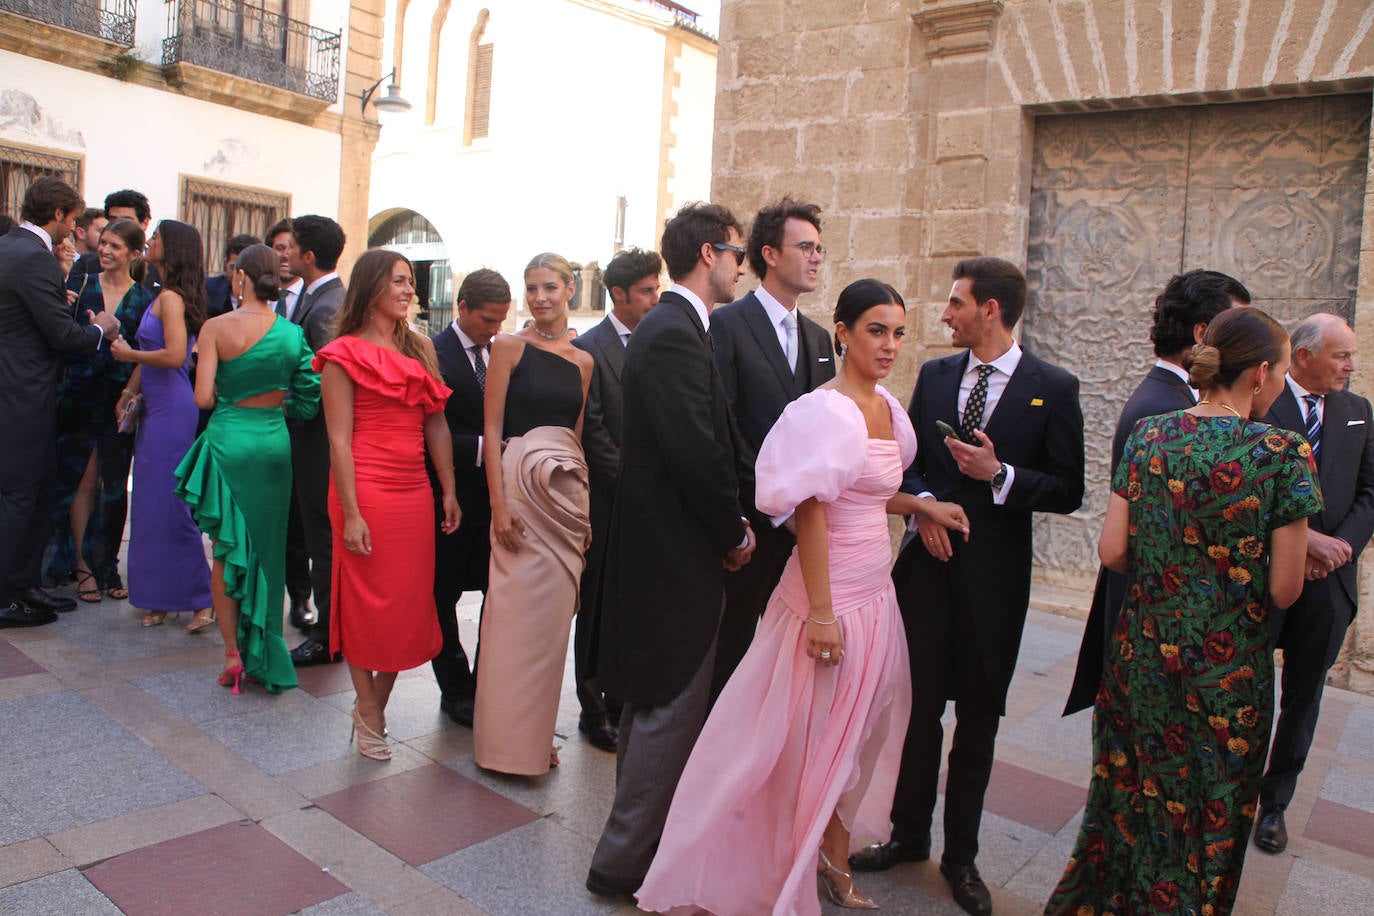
(632, 281)
(37, 328)
(1340, 428)
(676, 527)
(318, 242)
(1019, 451)
(462, 558)
(1182, 312)
(769, 354)
(218, 298)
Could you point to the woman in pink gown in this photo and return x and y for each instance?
(803, 747)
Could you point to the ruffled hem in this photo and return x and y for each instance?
(203, 487)
(386, 372)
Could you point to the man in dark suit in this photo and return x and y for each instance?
(769, 354)
(675, 528)
(1182, 312)
(1019, 451)
(462, 557)
(318, 242)
(1340, 428)
(631, 278)
(218, 298)
(37, 327)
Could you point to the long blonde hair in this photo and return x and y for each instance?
(369, 281)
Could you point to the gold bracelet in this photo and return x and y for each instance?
(824, 623)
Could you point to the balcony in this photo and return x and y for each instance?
(242, 40)
(108, 20)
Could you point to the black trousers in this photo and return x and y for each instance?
(1310, 633)
(456, 680)
(747, 591)
(297, 556)
(310, 470)
(596, 705)
(26, 527)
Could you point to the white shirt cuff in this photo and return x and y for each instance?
(913, 524)
(479, 451)
(744, 543)
(780, 520)
(999, 497)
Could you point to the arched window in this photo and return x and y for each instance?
(478, 119)
(415, 237)
(435, 28)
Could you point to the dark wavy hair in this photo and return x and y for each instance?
(131, 234)
(369, 281)
(1190, 299)
(696, 224)
(860, 296)
(770, 223)
(183, 268)
(995, 278)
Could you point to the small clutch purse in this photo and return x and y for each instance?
(128, 417)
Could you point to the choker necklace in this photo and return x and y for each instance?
(1219, 404)
(562, 333)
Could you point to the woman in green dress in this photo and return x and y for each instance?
(237, 476)
(1208, 521)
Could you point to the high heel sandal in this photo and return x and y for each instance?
(201, 620)
(232, 676)
(853, 899)
(88, 595)
(370, 744)
(154, 618)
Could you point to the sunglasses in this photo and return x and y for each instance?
(738, 252)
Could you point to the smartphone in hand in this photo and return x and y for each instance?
(949, 432)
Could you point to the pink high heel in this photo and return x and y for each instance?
(232, 676)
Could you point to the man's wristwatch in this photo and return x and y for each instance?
(999, 478)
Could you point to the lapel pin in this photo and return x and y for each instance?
(1037, 402)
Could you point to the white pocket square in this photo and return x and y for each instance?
(1354, 423)
(826, 359)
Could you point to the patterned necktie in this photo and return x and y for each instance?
(1314, 421)
(789, 326)
(977, 400)
(281, 303)
(479, 366)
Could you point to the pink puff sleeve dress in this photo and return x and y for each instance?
(790, 742)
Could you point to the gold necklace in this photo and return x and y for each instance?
(1221, 405)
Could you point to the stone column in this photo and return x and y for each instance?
(358, 133)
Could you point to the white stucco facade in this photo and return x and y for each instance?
(577, 121)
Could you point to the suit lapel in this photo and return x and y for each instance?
(756, 319)
(1333, 435)
(1173, 381)
(1286, 413)
(612, 350)
(1015, 399)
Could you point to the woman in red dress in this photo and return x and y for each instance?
(383, 404)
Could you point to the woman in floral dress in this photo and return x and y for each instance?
(1208, 520)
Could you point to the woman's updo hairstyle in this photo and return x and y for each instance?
(260, 265)
(1236, 340)
(860, 296)
(554, 262)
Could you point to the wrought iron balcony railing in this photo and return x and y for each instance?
(240, 38)
(111, 20)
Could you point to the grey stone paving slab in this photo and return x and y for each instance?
(1358, 738)
(537, 868)
(1355, 790)
(65, 893)
(281, 737)
(1004, 848)
(35, 726)
(111, 633)
(1039, 876)
(1044, 647)
(1316, 889)
(196, 695)
(14, 826)
(349, 904)
(412, 711)
(1045, 731)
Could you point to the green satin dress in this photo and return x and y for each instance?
(237, 480)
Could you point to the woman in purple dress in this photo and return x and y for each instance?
(168, 572)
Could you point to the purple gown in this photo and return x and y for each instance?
(167, 567)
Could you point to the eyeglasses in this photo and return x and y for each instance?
(809, 248)
(738, 251)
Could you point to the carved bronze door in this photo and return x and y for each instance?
(1269, 192)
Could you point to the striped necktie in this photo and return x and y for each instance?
(1314, 421)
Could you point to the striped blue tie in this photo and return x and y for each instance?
(1314, 421)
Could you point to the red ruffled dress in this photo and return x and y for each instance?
(382, 607)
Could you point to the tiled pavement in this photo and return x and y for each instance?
(130, 781)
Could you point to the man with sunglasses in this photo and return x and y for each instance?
(769, 354)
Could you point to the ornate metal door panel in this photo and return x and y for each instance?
(1270, 192)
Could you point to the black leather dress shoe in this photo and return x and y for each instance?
(312, 652)
(1271, 834)
(302, 616)
(606, 886)
(970, 892)
(43, 600)
(598, 734)
(458, 709)
(21, 615)
(882, 856)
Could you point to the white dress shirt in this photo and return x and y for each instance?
(776, 313)
(468, 344)
(621, 331)
(1178, 370)
(293, 297)
(321, 281)
(695, 302)
(1300, 392)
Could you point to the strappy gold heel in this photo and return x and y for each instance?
(853, 899)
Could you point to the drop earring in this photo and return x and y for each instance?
(1256, 390)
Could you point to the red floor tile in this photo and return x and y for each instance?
(1028, 798)
(238, 869)
(323, 680)
(14, 663)
(423, 814)
(1340, 825)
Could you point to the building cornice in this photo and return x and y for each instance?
(957, 27)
